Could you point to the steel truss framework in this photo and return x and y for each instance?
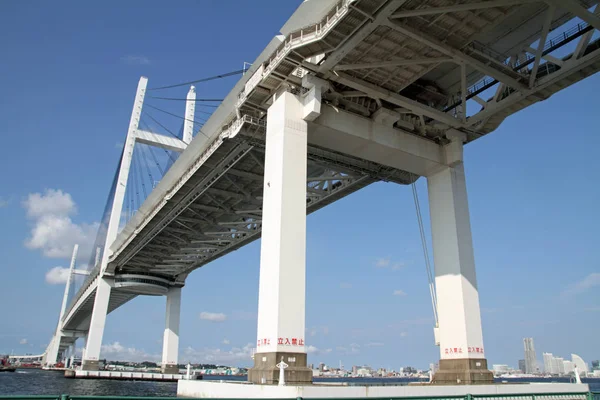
(437, 65)
(432, 61)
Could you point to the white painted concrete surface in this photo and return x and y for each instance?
(171, 335)
(460, 332)
(237, 390)
(281, 295)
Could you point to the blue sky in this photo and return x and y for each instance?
(67, 82)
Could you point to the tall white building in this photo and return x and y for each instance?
(569, 366)
(530, 358)
(549, 366)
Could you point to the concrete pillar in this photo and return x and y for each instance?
(171, 336)
(51, 356)
(190, 110)
(460, 335)
(281, 296)
(96, 331)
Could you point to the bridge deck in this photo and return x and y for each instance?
(408, 56)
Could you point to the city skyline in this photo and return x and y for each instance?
(532, 205)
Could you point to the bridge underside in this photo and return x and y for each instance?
(398, 80)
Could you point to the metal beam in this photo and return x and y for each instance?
(393, 63)
(161, 141)
(456, 54)
(574, 7)
(394, 98)
(361, 33)
(458, 8)
(541, 44)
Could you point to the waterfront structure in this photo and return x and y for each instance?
(522, 367)
(559, 366)
(580, 364)
(595, 365)
(568, 367)
(323, 112)
(530, 357)
(500, 369)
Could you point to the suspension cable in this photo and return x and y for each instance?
(238, 72)
(430, 277)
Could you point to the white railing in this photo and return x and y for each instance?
(303, 36)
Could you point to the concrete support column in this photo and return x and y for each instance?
(460, 335)
(96, 331)
(281, 296)
(171, 336)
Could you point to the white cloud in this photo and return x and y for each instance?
(219, 356)
(399, 292)
(117, 352)
(23, 341)
(226, 341)
(311, 349)
(387, 263)
(583, 285)
(57, 275)
(53, 232)
(132, 59)
(345, 285)
(213, 317)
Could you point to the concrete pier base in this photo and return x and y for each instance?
(265, 370)
(466, 371)
(169, 369)
(89, 365)
(244, 390)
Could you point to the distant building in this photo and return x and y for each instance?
(321, 367)
(568, 366)
(549, 367)
(500, 369)
(580, 364)
(530, 357)
(522, 366)
(595, 365)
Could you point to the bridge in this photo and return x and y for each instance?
(352, 92)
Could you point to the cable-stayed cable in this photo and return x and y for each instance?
(145, 159)
(161, 125)
(136, 158)
(183, 118)
(162, 171)
(178, 99)
(210, 78)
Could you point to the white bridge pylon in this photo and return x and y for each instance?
(62, 343)
(105, 283)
